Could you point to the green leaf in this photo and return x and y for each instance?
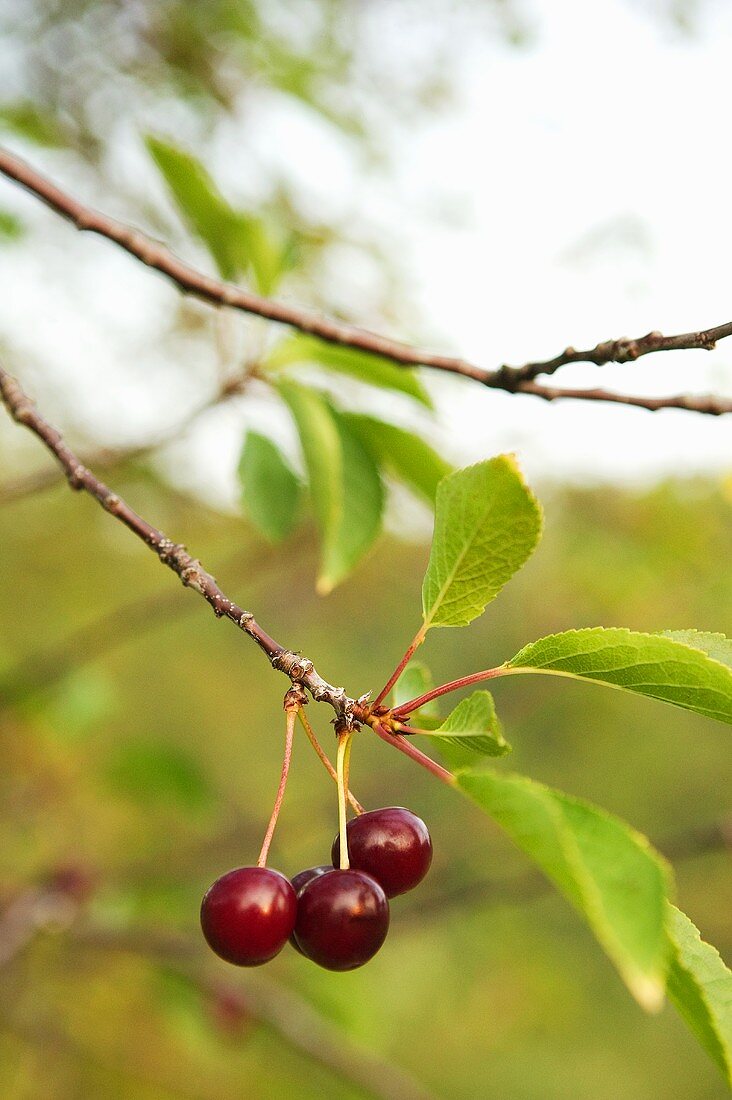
(473, 725)
(24, 119)
(650, 664)
(604, 868)
(11, 228)
(321, 446)
(405, 455)
(203, 207)
(345, 484)
(362, 510)
(714, 645)
(271, 253)
(377, 371)
(700, 985)
(154, 773)
(476, 721)
(271, 489)
(416, 680)
(487, 523)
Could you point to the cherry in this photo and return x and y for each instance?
(302, 878)
(392, 845)
(342, 919)
(299, 882)
(248, 915)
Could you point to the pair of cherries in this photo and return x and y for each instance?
(337, 918)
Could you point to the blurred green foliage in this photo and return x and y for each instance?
(151, 765)
(141, 739)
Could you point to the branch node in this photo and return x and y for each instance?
(76, 477)
(292, 664)
(295, 698)
(505, 378)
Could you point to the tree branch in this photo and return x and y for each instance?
(704, 403)
(624, 350)
(511, 379)
(300, 670)
(105, 458)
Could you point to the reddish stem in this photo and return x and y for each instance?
(445, 689)
(413, 646)
(419, 757)
(290, 716)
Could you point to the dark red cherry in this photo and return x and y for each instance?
(248, 914)
(302, 878)
(342, 919)
(299, 882)
(391, 844)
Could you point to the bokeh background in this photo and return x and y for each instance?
(499, 178)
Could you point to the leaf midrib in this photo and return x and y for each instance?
(441, 594)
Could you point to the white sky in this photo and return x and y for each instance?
(577, 190)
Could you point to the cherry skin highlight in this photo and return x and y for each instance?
(299, 882)
(392, 845)
(248, 915)
(342, 919)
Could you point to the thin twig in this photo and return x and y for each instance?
(105, 458)
(705, 403)
(624, 350)
(411, 649)
(405, 709)
(299, 669)
(511, 379)
(413, 753)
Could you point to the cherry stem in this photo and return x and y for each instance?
(445, 689)
(289, 733)
(415, 643)
(342, 766)
(355, 804)
(413, 753)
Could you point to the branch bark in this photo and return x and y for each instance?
(300, 670)
(105, 458)
(510, 379)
